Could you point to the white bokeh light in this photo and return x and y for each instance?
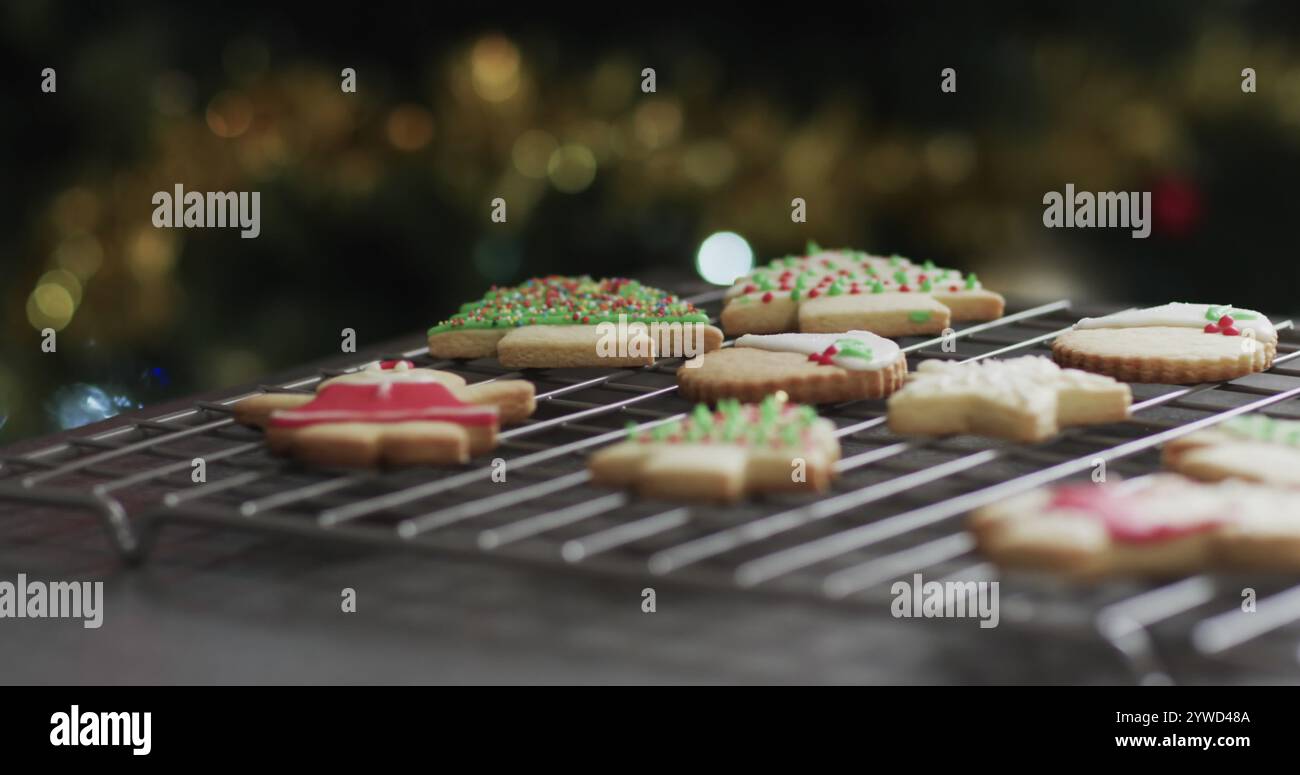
(723, 257)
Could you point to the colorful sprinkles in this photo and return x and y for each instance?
(559, 301)
(772, 424)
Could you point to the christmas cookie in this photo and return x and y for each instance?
(1160, 525)
(724, 455)
(844, 290)
(810, 368)
(388, 413)
(513, 398)
(1024, 399)
(575, 321)
(1180, 344)
(1252, 447)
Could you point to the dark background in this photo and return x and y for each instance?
(375, 205)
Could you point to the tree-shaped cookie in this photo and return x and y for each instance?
(1024, 399)
(1176, 343)
(1253, 447)
(551, 322)
(724, 455)
(829, 291)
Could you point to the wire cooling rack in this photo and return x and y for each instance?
(895, 509)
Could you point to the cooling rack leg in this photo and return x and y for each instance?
(121, 535)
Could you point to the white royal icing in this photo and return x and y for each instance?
(884, 352)
(1181, 315)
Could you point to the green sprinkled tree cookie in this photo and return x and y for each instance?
(829, 291)
(551, 322)
(724, 454)
(1253, 447)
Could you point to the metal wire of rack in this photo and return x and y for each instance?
(894, 510)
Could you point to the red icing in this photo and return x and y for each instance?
(904, 288)
(1122, 516)
(384, 402)
(825, 357)
(767, 297)
(814, 293)
(395, 364)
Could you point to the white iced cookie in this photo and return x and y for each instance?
(1025, 399)
(808, 368)
(1176, 343)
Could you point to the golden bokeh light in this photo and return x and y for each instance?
(709, 163)
(80, 254)
(230, 114)
(410, 127)
(657, 122)
(532, 151)
(66, 280)
(572, 168)
(50, 306)
(151, 253)
(494, 68)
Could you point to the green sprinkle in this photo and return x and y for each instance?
(926, 286)
(971, 281)
(877, 287)
(919, 315)
(836, 289)
(928, 265)
(631, 430)
(813, 247)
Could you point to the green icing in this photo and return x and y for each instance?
(1258, 427)
(771, 423)
(1215, 311)
(558, 301)
(919, 315)
(853, 348)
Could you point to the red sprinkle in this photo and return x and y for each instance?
(814, 293)
(1211, 328)
(767, 297)
(1231, 331)
(904, 288)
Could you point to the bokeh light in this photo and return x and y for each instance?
(723, 257)
(73, 406)
(532, 151)
(230, 114)
(494, 68)
(572, 168)
(410, 127)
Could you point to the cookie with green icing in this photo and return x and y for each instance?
(1176, 343)
(723, 454)
(828, 291)
(556, 321)
(1253, 447)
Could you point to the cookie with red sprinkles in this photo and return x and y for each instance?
(557, 321)
(1176, 343)
(831, 291)
(724, 454)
